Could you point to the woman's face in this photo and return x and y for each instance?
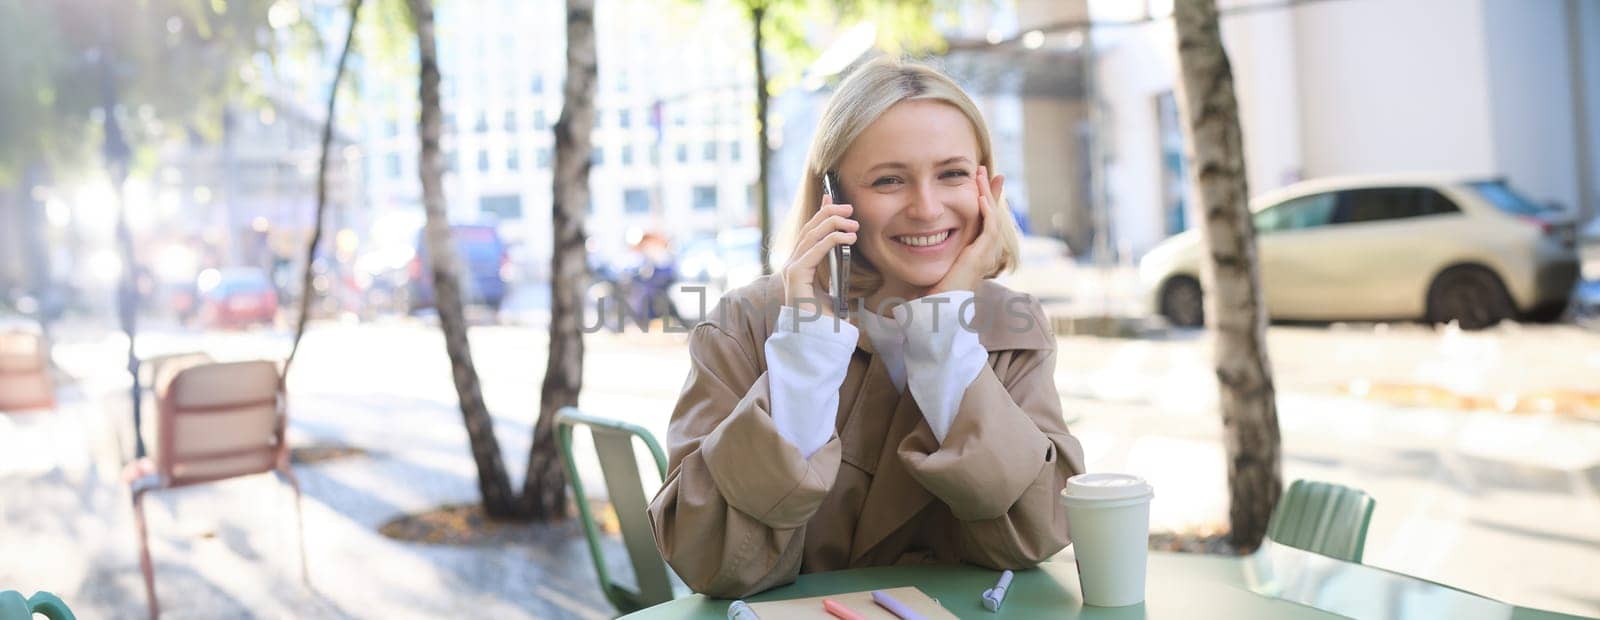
(911, 177)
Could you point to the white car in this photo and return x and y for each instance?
(1433, 247)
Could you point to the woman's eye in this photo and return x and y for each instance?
(881, 181)
(953, 174)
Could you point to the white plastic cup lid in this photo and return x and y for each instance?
(1106, 486)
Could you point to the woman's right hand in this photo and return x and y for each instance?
(831, 226)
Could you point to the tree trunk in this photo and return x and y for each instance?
(116, 154)
(1233, 301)
(306, 287)
(544, 492)
(758, 13)
(493, 482)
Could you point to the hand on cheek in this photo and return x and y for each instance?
(982, 255)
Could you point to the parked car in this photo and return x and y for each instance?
(236, 297)
(1433, 247)
(484, 262)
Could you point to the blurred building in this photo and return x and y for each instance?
(674, 147)
(251, 196)
(674, 141)
(246, 194)
(1336, 87)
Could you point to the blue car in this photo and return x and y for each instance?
(484, 259)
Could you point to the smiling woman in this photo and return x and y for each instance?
(920, 431)
(908, 146)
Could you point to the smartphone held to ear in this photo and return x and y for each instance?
(839, 258)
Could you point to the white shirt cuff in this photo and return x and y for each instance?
(806, 363)
(943, 355)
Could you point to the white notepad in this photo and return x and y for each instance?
(859, 602)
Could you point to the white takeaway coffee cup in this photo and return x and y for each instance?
(1109, 519)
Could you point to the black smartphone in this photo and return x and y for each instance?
(839, 258)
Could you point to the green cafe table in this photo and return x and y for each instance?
(1275, 582)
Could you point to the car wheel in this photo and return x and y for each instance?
(1182, 302)
(1549, 312)
(1471, 296)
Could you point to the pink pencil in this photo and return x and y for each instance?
(839, 611)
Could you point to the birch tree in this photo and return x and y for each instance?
(1234, 308)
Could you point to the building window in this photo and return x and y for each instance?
(391, 128)
(513, 159)
(683, 153)
(483, 123)
(506, 207)
(625, 119)
(449, 122)
(483, 160)
(544, 157)
(708, 151)
(635, 201)
(627, 154)
(599, 118)
(393, 161)
(597, 157)
(537, 84)
(452, 161)
(511, 121)
(733, 151)
(705, 197)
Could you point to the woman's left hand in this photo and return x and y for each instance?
(980, 257)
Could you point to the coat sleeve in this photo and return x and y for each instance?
(1006, 458)
(730, 517)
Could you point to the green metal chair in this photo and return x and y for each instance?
(14, 607)
(1324, 518)
(613, 441)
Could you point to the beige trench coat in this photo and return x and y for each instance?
(741, 511)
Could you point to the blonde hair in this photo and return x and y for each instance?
(861, 98)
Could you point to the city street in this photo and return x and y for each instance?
(212, 177)
(1461, 494)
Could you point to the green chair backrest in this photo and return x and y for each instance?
(1323, 518)
(14, 607)
(613, 441)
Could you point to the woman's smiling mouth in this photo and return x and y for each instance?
(925, 241)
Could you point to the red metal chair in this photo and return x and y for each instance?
(214, 421)
(25, 382)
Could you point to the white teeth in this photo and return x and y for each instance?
(924, 240)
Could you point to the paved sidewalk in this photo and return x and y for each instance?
(1461, 494)
(230, 550)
